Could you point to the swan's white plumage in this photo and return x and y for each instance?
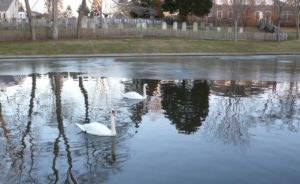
(99, 129)
(132, 95)
(135, 95)
(95, 128)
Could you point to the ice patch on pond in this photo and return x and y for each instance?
(264, 57)
(284, 61)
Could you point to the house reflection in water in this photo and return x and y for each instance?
(155, 109)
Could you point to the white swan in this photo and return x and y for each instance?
(99, 129)
(135, 95)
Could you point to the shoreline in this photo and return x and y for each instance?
(80, 56)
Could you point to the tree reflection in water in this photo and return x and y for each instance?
(234, 113)
(57, 82)
(86, 99)
(10, 147)
(227, 121)
(28, 132)
(186, 104)
(283, 107)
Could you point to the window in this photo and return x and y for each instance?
(268, 15)
(258, 15)
(219, 14)
(286, 16)
(257, 2)
(229, 16)
(269, 2)
(219, 2)
(21, 16)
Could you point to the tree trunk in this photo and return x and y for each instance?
(29, 15)
(278, 31)
(80, 16)
(235, 30)
(279, 7)
(54, 20)
(298, 27)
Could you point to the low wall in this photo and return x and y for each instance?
(13, 35)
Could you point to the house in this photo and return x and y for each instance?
(22, 13)
(9, 9)
(253, 12)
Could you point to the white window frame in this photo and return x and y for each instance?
(219, 12)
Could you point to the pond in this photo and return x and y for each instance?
(222, 119)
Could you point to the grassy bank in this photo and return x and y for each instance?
(145, 45)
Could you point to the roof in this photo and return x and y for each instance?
(4, 4)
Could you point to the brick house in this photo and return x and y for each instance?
(221, 13)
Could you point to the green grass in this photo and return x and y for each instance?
(145, 45)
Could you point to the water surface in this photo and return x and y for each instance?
(206, 120)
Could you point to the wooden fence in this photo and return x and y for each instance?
(41, 34)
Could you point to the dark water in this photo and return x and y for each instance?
(206, 120)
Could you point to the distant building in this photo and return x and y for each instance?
(22, 13)
(221, 13)
(9, 9)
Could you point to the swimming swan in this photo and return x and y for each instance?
(135, 95)
(99, 129)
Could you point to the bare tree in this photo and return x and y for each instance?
(48, 7)
(279, 6)
(80, 16)
(30, 18)
(96, 8)
(54, 20)
(296, 8)
(238, 7)
(68, 12)
(123, 6)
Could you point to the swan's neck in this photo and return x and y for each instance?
(144, 91)
(112, 125)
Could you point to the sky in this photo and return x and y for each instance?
(39, 5)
